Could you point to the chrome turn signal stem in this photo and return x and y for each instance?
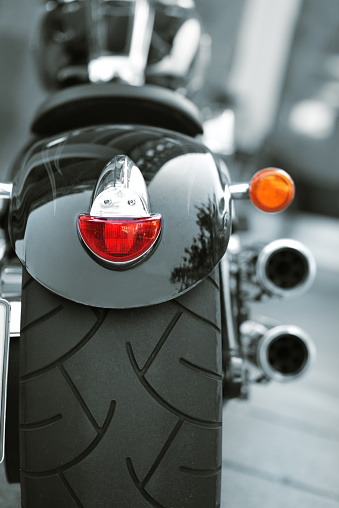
(6, 190)
(240, 190)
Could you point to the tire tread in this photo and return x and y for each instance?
(172, 457)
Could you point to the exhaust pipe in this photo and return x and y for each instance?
(283, 353)
(285, 268)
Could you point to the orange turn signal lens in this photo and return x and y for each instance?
(271, 190)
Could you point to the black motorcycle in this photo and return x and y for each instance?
(134, 296)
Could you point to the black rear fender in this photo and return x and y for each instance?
(55, 182)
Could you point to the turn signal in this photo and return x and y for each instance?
(271, 190)
(122, 240)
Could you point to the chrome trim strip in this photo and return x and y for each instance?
(4, 355)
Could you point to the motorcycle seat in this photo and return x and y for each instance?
(111, 103)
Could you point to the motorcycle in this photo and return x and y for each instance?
(133, 290)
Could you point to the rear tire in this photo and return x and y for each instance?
(121, 407)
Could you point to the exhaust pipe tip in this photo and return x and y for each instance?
(285, 353)
(286, 268)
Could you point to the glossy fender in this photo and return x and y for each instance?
(54, 183)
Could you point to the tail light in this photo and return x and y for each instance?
(120, 229)
(122, 240)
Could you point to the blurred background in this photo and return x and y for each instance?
(275, 71)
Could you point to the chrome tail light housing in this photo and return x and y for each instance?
(120, 230)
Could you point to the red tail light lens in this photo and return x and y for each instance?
(120, 240)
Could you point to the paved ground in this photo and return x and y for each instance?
(281, 449)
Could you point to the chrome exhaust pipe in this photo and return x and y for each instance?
(285, 268)
(283, 353)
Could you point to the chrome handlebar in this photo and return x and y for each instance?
(103, 65)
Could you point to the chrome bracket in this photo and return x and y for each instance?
(10, 316)
(4, 355)
(235, 373)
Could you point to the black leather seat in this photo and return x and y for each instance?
(110, 103)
